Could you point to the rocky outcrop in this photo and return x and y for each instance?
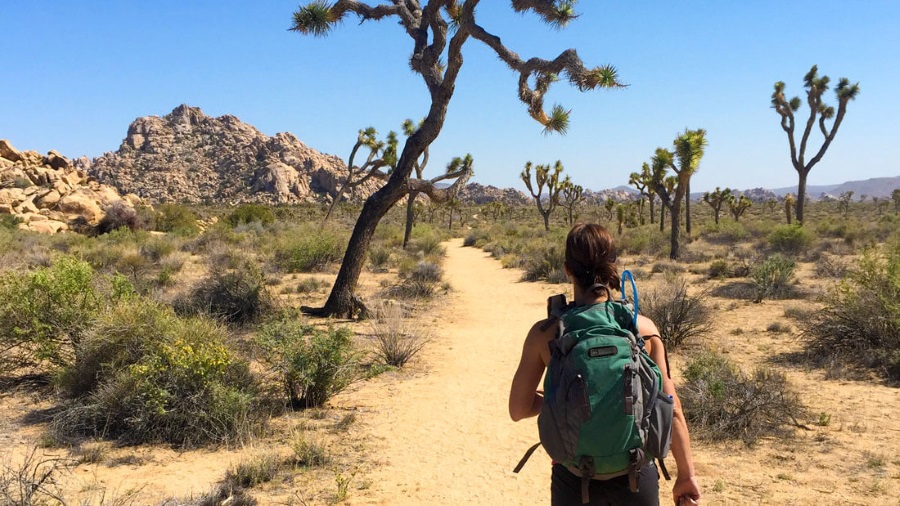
(187, 156)
(758, 195)
(49, 192)
(478, 194)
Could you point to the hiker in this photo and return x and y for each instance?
(591, 266)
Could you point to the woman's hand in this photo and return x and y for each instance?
(686, 491)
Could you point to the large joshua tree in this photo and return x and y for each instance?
(716, 200)
(815, 87)
(689, 149)
(438, 30)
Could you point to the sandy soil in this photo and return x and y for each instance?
(439, 432)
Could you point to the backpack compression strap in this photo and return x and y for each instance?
(526, 457)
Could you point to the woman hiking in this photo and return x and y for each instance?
(591, 266)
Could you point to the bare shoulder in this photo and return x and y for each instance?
(646, 327)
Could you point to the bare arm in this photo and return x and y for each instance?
(524, 398)
(686, 483)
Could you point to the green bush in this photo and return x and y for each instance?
(313, 364)
(718, 269)
(860, 322)
(249, 213)
(646, 240)
(144, 375)
(44, 313)
(236, 296)
(307, 249)
(544, 264)
(175, 218)
(726, 232)
(790, 239)
(721, 402)
(678, 315)
(772, 278)
(379, 256)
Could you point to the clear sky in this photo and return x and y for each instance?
(76, 73)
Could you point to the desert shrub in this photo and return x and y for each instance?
(542, 264)
(253, 472)
(307, 249)
(721, 402)
(726, 232)
(45, 313)
(249, 213)
(310, 285)
(678, 315)
(379, 256)
(718, 269)
(470, 240)
(667, 267)
(313, 364)
(175, 218)
(156, 248)
(647, 240)
(144, 375)
(427, 240)
(398, 338)
(118, 215)
(831, 266)
(772, 278)
(236, 296)
(419, 279)
(308, 451)
(10, 221)
(790, 239)
(860, 321)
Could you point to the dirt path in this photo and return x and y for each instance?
(445, 436)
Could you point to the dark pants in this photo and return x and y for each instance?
(565, 489)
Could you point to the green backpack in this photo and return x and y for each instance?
(604, 412)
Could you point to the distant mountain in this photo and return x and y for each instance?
(880, 187)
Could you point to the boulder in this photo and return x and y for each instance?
(57, 161)
(81, 202)
(48, 198)
(10, 153)
(46, 227)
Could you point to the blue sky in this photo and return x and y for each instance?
(76, 73)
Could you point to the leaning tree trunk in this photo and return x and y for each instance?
(410, 218)
(652, 211)
(662, 217)
(546, 217)
(801, 194)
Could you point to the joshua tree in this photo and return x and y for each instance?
(789, 201)
(689, 149)
(544, 175)
(716, 200)
(895, 196)
(438, 30)
(844, 202)
(572, 195)
(773, 205)
(620, 216)
(738, 206)
(662, 184)
(815, 87)
(356, 176)
(643, 182)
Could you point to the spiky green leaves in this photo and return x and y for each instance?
(795, 104)
(556, 13)
(845, 90)
(557, 121)
(605, 76)
(315, 19)
(463, 163)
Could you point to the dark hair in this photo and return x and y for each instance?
(591, 257)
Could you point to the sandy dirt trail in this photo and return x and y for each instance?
(445, 436)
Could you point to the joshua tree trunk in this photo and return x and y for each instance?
(410, 217)
(801, 195)
(676, 218)
(687, 210)
(662, 218)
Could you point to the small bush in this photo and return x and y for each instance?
(143, 375)
(250, 473)
(307, 250)
(308, 452)
(118, 215)
(726, 232)
(236, 296)
(678, 315)
(313, 364)
(419, 281)
(310, 285)
(470, 240)
(790, 239)
(772, 278)
(646, 240)
(379, 257)
(397, 337)
(778, 328)
(721, 402)
(10, 221)
(45, 313)
(718, 269)
(175, 218)
(860, 321)
(541, 264)
(831, 266)
(249, 213)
